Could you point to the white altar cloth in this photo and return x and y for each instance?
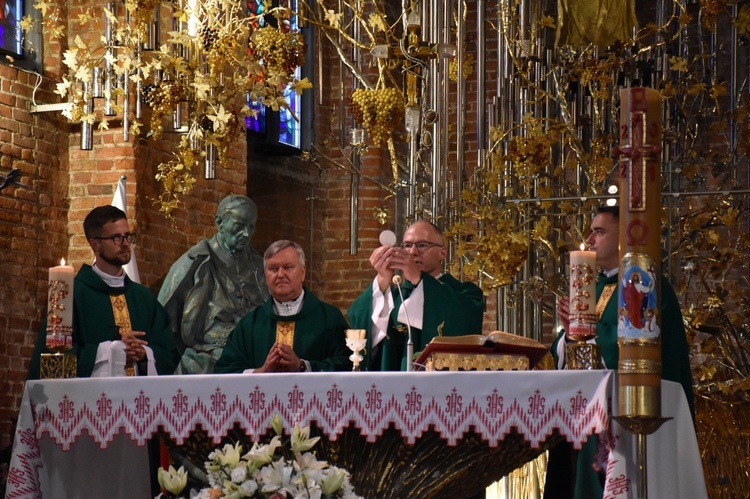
(534, 403)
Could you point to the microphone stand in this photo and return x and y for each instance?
(397, 280)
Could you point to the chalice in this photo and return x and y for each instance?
(356, 341)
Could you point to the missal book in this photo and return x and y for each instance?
(494, 351)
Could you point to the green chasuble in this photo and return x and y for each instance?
(675, 367)
(319, 337)
(94, 322)
(451, 308)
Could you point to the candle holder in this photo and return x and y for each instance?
(583, 355)
(579, 353)
(356, 341)
(59, 365)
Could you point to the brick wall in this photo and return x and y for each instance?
(33, 226)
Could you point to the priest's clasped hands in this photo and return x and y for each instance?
(281, 358)
(134, 346)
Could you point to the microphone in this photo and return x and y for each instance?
(397, 280)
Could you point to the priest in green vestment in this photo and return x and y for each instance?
(604, 240)
(434, 303)
(293, 331)
(119, 327)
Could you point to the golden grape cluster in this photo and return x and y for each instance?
(162, 98)
(468, 67)
(176, 176)
(280, 52)
(380, 111)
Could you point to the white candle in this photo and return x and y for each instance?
(60, 307)
(582, 295)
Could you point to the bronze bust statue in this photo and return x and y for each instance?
(213, 285)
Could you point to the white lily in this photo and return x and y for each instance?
(276, 423)
(276, 476)
(230, 455)
(308, 461)
(263, 454)
(333, 480)
(171, 480)
(301, 440)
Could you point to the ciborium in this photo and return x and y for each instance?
(356, 341)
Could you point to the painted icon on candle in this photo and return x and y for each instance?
(638, 299)
(60, 308)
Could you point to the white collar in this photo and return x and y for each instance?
(113, 281)
(288, 307)
(610, 273)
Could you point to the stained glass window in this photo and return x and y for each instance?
(277, 126)
(11, 12)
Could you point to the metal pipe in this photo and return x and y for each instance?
(212, 155)
(152, 31)
(642, 473)
(733, 97)
(111, 52)
(177, 117)
(354, 202)
(97, 91)
(356, 150)
(481, 70)
(87, 134)
(309, 259)
(342, 92)
(138, 92)
(439, 100)
(126, 106)
(460, 109)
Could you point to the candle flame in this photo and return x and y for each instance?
(583, 246)
(62, 261)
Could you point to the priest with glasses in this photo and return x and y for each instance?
(434, 302)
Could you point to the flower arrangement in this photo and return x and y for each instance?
(272, 470)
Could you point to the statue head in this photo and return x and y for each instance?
(235, 221)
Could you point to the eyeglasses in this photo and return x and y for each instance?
(421, 246)
(118, 239)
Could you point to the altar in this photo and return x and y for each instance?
(106, 422)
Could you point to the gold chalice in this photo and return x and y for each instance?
(356, 341)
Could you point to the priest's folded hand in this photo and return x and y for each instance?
(134, 345)
(289, 360)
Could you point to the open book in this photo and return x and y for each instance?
(496, 342)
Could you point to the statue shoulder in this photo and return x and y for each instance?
(183, 267)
